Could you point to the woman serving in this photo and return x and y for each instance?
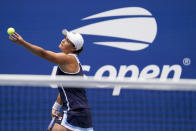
(73, 101)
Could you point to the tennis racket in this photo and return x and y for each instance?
(52, 122)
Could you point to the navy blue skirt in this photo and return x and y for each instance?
(77, 120)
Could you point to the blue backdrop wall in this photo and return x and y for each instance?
(136, 39)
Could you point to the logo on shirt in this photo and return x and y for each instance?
(129, 28)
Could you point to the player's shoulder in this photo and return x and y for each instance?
(69, 58)
(61, 54)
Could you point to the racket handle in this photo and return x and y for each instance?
(51, 123)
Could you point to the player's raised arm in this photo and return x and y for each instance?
(57, 58)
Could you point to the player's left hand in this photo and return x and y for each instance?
(16, 38)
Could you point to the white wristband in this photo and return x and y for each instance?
(57, 106)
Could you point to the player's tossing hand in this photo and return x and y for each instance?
(16, 38)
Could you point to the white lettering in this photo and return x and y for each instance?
(125, 69)
(86, 68)
(53, 74)
(151, 71)
(107, 68)
(167, 69)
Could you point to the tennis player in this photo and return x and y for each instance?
(73, 101)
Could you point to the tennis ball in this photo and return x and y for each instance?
(10, 31)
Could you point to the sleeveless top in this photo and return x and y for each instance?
(72, 98)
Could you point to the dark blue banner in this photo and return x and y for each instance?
(123, 38)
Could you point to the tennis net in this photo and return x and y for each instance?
(142, 105)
